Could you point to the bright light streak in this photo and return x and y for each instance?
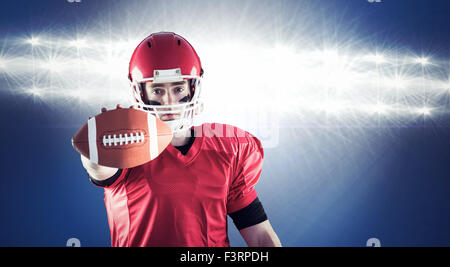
(333, 107)
(35, 91)
(376, 58)
(79, 43)
(424, 111)
(2, 63)
(380, 108)
(53, 65)
(330, 57)
(34, 41)
(399, 82)
(444, 85)
(422, 60)
(291, 77)
(328, 80)
(82, 94)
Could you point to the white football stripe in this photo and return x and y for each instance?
(152, 132)
(92, 135)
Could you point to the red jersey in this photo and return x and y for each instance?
(183, 200)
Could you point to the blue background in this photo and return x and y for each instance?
(395, 187)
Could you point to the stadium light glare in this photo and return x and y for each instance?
(2, 63)
(424, 111)
(52, 66)
(35, 91)
(330, 81)
(422, 60)
(34, 41)
(377, 58)
(399, 82)
(79, 43)
(380, 108)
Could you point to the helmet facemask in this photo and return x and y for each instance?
(187, 111)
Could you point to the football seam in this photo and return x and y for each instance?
(101, 141)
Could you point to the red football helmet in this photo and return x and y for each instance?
(167, 57)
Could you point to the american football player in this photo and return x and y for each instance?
(183, 197)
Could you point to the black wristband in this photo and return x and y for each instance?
(252, 214)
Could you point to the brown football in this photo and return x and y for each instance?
(122, 138)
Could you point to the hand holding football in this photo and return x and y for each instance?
(122, 138)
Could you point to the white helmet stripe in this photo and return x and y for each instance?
(92, 138)
(164, 76)
(153, 135)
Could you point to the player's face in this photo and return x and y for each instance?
(167, 94)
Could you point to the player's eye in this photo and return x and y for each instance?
(179, 90)
(158, 91)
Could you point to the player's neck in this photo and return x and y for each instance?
(181, 138)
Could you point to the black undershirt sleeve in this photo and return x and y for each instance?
(251, 215)
(106, 182)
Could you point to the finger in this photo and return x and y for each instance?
(133, 106)
(119, 106)
(104, 110)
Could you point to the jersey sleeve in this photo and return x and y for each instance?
(249, 166)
